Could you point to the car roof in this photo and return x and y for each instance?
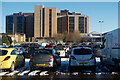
(82, 47)
(8, 49)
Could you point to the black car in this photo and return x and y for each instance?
(44, 58)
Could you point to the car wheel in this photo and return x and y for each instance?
(12, 68)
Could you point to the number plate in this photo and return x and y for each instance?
(40, 64)
(83, 63)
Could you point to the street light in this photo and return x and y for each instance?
(101, 21)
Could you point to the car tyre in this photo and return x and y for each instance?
(12, 68)
(94, 69)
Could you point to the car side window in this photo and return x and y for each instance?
(17, 52)
(13, 52)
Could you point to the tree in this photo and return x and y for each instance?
(6, 39)
(65, 36)
(74, 36)
(9, 39)
(58, 37)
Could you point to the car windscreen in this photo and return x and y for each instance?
(82, 51)
(3, 52)
(42, 52)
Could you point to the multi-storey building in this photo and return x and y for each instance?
(21, 23)
(71, 22)
(45, 22)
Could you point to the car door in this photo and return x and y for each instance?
(19, 57)
(14, 54)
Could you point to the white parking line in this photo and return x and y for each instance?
(44, 73)
(22, 73)
(3, 73)
(33, 73)
(12, 73)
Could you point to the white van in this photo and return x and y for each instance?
(110, 50)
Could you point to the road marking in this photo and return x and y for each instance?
(75, 73)
(44, 73)
(114, 73)
(12, 73)
(33, 73)
(22, 73)
(3, 73)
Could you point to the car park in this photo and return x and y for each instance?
(96, 50)
(60, 51)
(82, 57)
(10, 58)
(66, 48)
(45, 58)
(21, 50)
(110, 50)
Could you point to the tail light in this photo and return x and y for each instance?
(92, 57)
(30, 57)
(8, 57)
(73, 57)
(51, 57)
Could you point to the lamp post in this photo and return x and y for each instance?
(101, 21)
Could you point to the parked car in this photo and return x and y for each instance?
(82, 57)
(96, 50)
(110, 50)
(22, 51)
(60, 51)
(49, 46)
(31, 50)
(10, 58)
(44, 58)
(66, 48)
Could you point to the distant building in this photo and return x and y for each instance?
(23, 23)
(45, 22)
(92, 37)
(17, 37)
(71, 22)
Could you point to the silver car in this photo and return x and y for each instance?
(82, 57)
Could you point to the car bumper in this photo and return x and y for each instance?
(39, 65)
(90, 63)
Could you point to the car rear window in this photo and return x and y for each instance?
(82, 51)
(3, 52)
(42, 52)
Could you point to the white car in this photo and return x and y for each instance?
(60, 51)
(82, 57)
